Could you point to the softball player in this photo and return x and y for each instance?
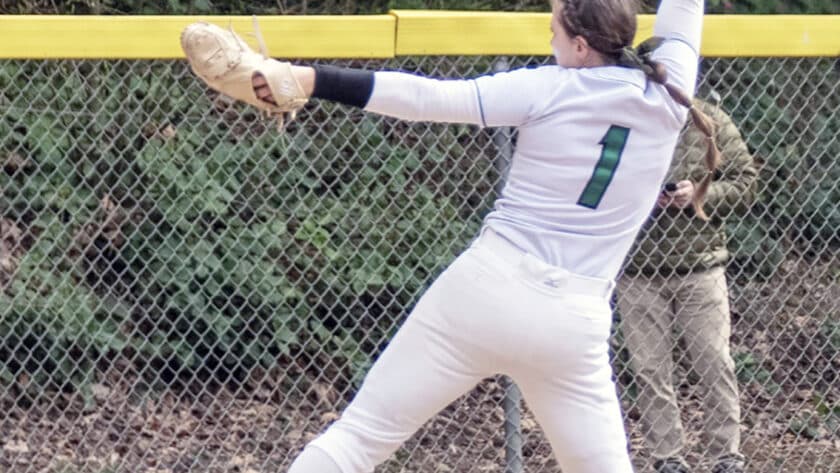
(530, 297)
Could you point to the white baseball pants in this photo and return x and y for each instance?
(494, 310)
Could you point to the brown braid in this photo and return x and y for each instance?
(613, 39)
(640, 59)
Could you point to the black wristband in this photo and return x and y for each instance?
(347, 86)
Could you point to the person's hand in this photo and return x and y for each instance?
(261, 89)
(304, 76)
(680, 197)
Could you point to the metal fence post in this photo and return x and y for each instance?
(513, 398)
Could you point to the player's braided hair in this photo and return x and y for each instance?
(610, 31)
(640, 59)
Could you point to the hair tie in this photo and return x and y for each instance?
(630, 58)
(648, 46)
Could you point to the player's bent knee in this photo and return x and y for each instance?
(356, 451)
(619, 463)
(314, 460)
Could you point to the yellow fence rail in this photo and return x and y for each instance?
(399, 33)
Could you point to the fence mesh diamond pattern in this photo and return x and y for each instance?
(183, 288)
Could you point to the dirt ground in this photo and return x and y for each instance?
(224, 433)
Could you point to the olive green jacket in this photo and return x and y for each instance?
(675, 240)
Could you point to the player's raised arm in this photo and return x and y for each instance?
(679, 23)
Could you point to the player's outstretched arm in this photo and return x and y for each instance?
(227, 64)
(502, 99)
(395, 94)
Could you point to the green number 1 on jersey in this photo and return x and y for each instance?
(613, 145)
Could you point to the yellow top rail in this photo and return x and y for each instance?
(402, 32)
(150, 37)
(465, 33)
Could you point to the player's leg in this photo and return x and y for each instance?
(583, 423)
(566, 380)
(703, 312)
(646, 309)
(314, 459)
(417, 375)
(423, 369)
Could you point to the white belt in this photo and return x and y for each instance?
(552, 276)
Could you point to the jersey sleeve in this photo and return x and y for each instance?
(503, 99)
(416, 98)
(513, 98)
(680, 23)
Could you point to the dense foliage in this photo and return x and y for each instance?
(137, 225)
(787, 113)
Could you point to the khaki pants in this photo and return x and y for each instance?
(655, 311)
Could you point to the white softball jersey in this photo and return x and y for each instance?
(593, 148)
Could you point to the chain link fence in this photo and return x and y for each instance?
(183, 288)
